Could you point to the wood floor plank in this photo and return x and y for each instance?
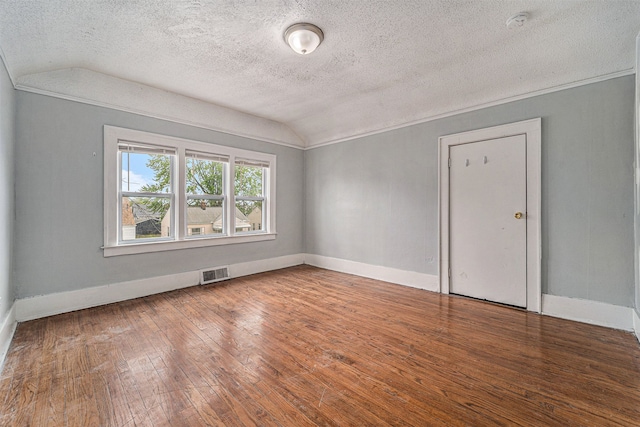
(25, 379)
(43, 403)
(280, 408)
(305, 346)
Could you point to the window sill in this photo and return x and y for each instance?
(148, 247)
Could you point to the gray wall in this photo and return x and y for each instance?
(374, 199)
(7, 212)
(637, 188)
(59, 200)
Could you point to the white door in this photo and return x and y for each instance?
(487, 222)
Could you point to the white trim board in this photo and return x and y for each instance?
(269, 264)
(477, 107)
(413, 279)
(587, 311)
(162, 105)
(63, 302)
(636, 324)
(103, 90)
(7, 329)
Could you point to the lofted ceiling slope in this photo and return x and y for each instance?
(383, 64)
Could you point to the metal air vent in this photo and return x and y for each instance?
(213, 275)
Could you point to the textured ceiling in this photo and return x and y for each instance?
(382, 63)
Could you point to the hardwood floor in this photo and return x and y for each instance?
(305, 347)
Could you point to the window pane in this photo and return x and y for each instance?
(249, 215)
(204, 217)
(249, 181)
(146, 172)
(204, 177)
(145, 218)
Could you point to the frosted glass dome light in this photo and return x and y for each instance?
(303, 38)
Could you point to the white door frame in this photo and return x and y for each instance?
(532, 131)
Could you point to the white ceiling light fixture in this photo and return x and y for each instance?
(517, 20)
(303, 38)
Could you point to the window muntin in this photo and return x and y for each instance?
(126, 150)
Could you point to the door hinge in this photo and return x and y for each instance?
(449, 272)
(449, 161)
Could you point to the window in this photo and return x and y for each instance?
(250, 196)
(205, 200)
(164, 193)
(138, 193)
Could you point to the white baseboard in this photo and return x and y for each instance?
(7, 329)
(254, 267)
(428, 282)
(587, 311)
(63, 302)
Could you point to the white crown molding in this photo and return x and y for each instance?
(94, 88)
(587, 311)
(64, 302)
(451, 113)
(413, 279)
(7, 329)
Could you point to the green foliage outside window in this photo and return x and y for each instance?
(203, 177)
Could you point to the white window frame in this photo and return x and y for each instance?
(113, 246)
(225, 194)
(155, 149)
(261, 198)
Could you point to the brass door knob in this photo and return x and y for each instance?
(518, 215)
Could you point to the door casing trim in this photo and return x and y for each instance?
(532, 129)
